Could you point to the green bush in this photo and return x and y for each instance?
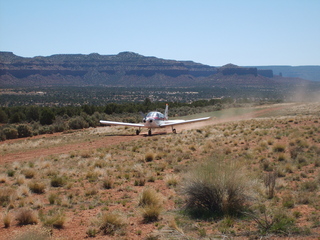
(217, 187)
(2, 135)
(10, 132)
(24, 131)
(78, 123)
(59, 125)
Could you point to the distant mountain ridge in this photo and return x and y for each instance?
(311, 73)
(126, 69)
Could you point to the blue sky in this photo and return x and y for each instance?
(213, 32)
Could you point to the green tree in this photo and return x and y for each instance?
(33, 113)
(3, 116)
(46, 116)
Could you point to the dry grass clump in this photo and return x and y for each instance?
(37, 187)
(278, 147)
(151, 204)
(3, 178)
(171, 180)
(149, 197)
(7, 195)
(7, 219)
(107, 182)
(111, 223)
(27, 216)
(29, 172)
(58, 181)
(216, 187)
(55, 220)
(149, 157)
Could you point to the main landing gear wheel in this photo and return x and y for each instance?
(137, 132)
(174, 130)
(149, 132)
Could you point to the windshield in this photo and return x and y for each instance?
(155, 115)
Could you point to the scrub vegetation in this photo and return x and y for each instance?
(244, 178)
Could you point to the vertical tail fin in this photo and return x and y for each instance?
(166, 112)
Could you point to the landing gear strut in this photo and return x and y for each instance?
(174, 130)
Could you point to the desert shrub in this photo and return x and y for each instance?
(151, 213)
(53, 198)
(310, 186)
(28, 172)
(46, 130)
(55, 219)
(26, 216)
(37, 187)
(149, 157)
(91, 192)
(10, 173)
(110, 223)
(24, 131)
(92, 232)
(58, 181)
(7, 219)
(279, 147)
(6, 195)
(141, 181)
(288, 201)
(171, 180)
(277, 222)
(10, 132)
(2, 135)
(59, 125)
(216, 187)
(78, 123)
(92, 176)
(107, 183)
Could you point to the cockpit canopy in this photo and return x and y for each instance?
(155, 115)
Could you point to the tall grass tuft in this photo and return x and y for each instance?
(151, 204)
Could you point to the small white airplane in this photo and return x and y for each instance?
(155, 120)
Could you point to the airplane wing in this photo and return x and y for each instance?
(122, 123)
(176, 122)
